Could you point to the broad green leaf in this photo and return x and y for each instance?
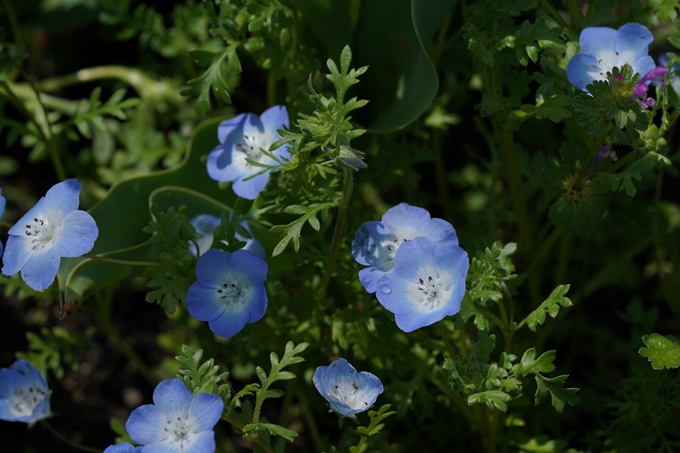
(661, 351)
(492, 398)
(550, 306)
(624, 180)
(531, 364)
(558, 394)
(391, 36)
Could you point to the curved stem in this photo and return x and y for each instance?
(68, 441)
(124, 262)
(337, 233)
(366, 436)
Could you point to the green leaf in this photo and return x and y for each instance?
(201, 377)
(530, 364)
(661, 351)
(469, 308)
(213, 79)
(624, 180)
(293, 230)
(558, 394)
(492, 398)
(552, 108)
(274, 430)
(550, 306)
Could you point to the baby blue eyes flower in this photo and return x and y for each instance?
(123, 447)
(230, 290)
(52, 229)
(603, 48)
(376, 243)
(24, 396)
(241, 138)
(347, 391)
(428, 283)
(176, 422)
(205, 225)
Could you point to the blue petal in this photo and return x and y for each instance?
(578, 70)
(594, 40)
(40, 271)
(146, 425)
(369, 277)
(251, 188)
(634, 38)
(204, 303)
(212, 268)
(275, 117)
(340, 382)
(63, 197)
(21, 374)
(229, 129)
(203, 442)
(16, 255)
(78, 235)
(123, 447)
(205, 411)
(392, 293)
(366, 243)
(3, 204)
(204, 225)
(408, 222)
(235, 316)
(220, 164)
(38, 210)
(643, 65)
(171, 397)
(249, 264)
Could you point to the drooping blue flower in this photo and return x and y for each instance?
(243, 137)
(205, 225)
(428, 283)
(230, 290)
(376, 243)
(24, 395)
(3, 204)
(52, 229)
(347, 391)
(603, 48)
(177, 422)
(123, 447)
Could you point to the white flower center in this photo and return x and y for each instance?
(350, 393)
(43, 231)
(431, 288)
(24, 400)
(250, 146)
(237, 291)
(179, 429)
(606, 61)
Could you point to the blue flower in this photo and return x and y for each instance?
(205, 225)
(123, 447)
(376, 243)
(24, 395)
(52, 229)
(603, 48)
(428, 283)
(176, 422)
(229, 292)
(242, 137)
(3, 204)
(347, 391)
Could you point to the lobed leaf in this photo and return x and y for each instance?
(661, 351)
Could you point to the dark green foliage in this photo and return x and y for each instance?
(488, 271)
(56, 348)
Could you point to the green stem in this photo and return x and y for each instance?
(366, 436)
(565, 252)
(445, 337)
(572, 7)
(13, 22)
(124, 262)
(440, 174)
(456, 398)
(623, 161)
(553, 12)
(309, 418)
(337, 233)
(66, 440)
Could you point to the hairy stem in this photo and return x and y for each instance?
(337, 233)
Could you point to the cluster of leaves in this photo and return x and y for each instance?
(496, 383)
(489, 270)
(170, 234)
(56, 348)
(610, 113)
(329, 129)
(374, 427)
